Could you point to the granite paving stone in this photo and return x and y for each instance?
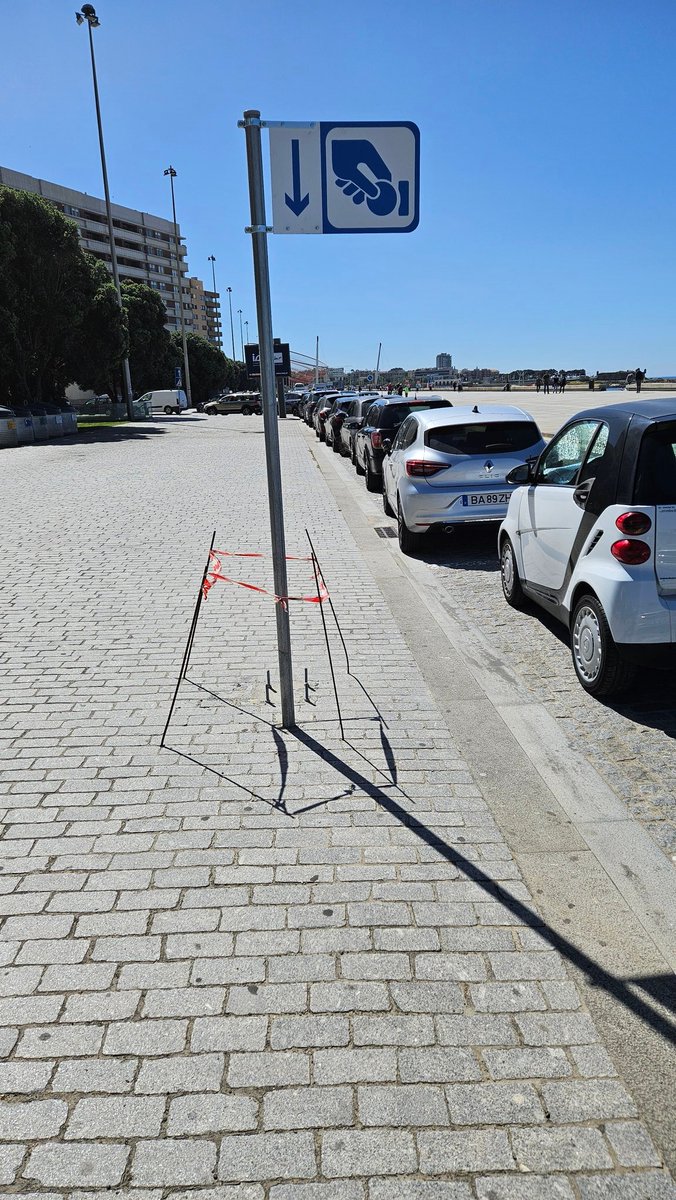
(251, 964)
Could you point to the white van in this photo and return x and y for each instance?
(169, 400)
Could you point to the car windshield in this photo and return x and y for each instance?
(495, 437)
(392, 415)
(656, 470)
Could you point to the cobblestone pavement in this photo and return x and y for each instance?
(630, 743)
(332, 985)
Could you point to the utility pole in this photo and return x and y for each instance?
(380, 346)
(241, 332)
(186, 365)
(88, 14)
(259, 242)
(317, 362)
(232, 327)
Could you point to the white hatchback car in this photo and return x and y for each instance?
(449, 466)
(591, 536)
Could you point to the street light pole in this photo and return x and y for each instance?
(246, 326)
(232, 327)
(88, 14)
(212, 260)
(186, 365)
(241, 333)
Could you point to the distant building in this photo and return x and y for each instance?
(445, 362)
(145, 245)
(206, 312)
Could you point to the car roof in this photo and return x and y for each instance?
(649, 410)
(466, 415)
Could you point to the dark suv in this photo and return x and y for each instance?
(381, 423)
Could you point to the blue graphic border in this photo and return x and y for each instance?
(325, 128)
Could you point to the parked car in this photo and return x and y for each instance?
(316, 398)
(449, 467)
(590, 535)
(353, 421)
(381, 421)
(166, 400)
(235, 402)
(334, 420)
(294, 402)
(321, 411)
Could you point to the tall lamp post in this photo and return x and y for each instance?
(186, 365)
(88, 14)
(232, 327)
(241, 332)
(212, 260)
(246, 326)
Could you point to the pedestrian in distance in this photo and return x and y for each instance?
(545, 383)
(554, 382)
(538, 383)
(639, 376)
(406, 392)
(562, 381)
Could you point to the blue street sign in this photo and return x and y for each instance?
(178, 377)
(345, 177)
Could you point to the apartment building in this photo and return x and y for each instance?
(206, 312)
(145, 244)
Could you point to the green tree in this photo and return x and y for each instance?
(103, 341)
(151, 351)
(45, 293)
(210, 371)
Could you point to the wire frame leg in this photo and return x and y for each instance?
(191, 637)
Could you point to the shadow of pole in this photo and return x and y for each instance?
(597, 976)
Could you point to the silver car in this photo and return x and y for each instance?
(449, 466)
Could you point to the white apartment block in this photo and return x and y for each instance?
(145, 245)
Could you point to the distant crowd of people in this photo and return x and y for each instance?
(554, 381)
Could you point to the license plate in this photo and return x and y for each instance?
(482, 498)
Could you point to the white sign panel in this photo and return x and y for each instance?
(355, 177)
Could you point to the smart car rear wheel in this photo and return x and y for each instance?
(598, 664)
(511, 584)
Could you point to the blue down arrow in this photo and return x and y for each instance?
(296, 202)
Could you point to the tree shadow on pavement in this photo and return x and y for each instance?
(596, 975)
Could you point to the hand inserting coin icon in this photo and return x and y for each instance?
(361, 174)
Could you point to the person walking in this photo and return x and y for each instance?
(538, 383)
(639, 375)
(545, 382)
(554, 381)
(562, 381)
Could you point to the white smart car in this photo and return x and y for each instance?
(449, 466)
(591, 536)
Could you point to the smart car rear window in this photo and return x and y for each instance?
(495, 437)
(392, 415)
(656, 467)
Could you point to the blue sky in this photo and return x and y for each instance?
(547, 161)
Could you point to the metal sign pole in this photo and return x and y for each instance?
(259, 242)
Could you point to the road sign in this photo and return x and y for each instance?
(369, 379)
(345, 177)
(178, 377)
(282, 356)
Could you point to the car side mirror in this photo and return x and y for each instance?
(524, 473)
(387, 445)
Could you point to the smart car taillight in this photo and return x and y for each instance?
(633, 523)
(418, 467)
(630, 551)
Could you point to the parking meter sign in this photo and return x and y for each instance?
(345, 177)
